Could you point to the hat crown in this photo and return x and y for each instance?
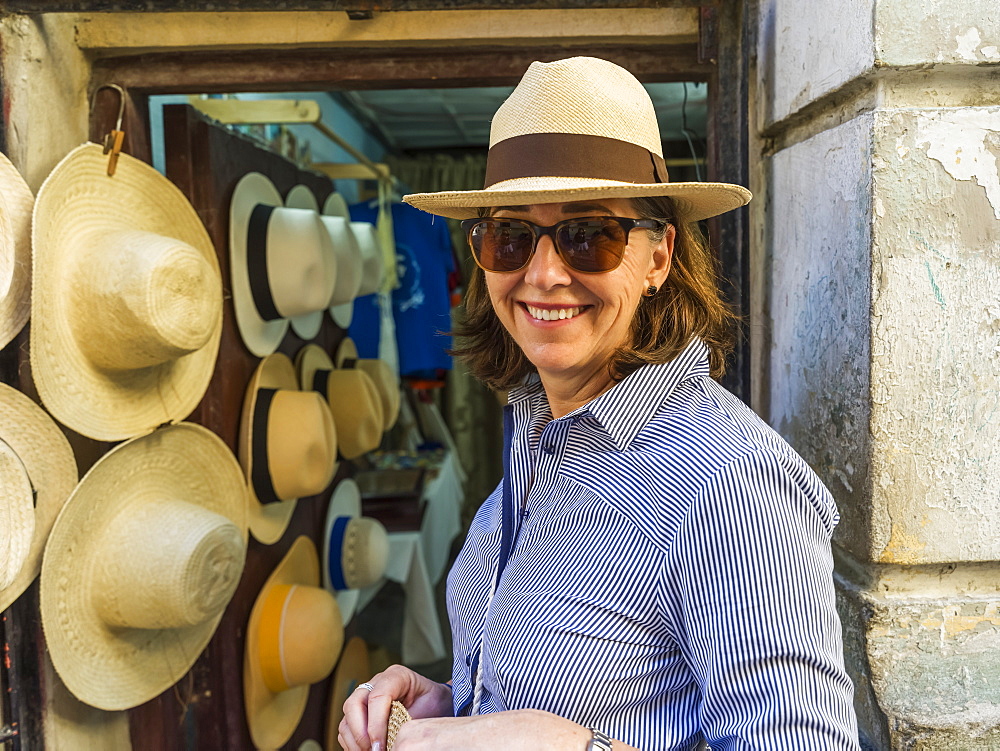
(167, 564)
(301, 443)
(372, 268)
(300, 262)
(579, 95)
(365, 552)
(348, 255)
(141, 299)
(300, 636)
(357, 411)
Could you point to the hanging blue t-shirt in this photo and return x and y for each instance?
(421, 304)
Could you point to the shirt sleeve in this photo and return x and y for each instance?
(750, 596)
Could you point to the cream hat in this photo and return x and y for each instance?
(307, 326)
(17, 515)
(352, 396)
(16, 203)
(48, 461)
(353, 669)
(382, 375)
(337, 219)
(280, 262)
(287, 446)
(372, 265)
(141, 564)
(293, 639)
(355, 548)
(126, 301)
(576, 129)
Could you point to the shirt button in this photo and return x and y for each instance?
(548, 448)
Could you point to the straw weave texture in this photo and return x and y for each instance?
(17, 515)
(16, 203)
(397, 717)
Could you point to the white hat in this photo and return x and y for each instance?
(127, 298)
(338, 223)
(16, 202)
(141, 563)
(279, 261)
(372, 265)
(307, 326)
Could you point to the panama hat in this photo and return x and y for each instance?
(126, 298)
(351, 395)
(287, 445)
(308, 325)
(48, 461)
(355, 548)
(16, 203)
(372, 265)
(280, 264)
(141, 563)
(575, 129)
(293, 639)
(382, 375)
(337, 219)
(353, 669)
(17, 515)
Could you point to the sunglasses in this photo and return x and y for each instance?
(590, 245)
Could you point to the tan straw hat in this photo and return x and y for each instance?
(308, 325)
(382, 375)
(337, 219)
(16, 203)
(126, 301)
(353, 669)
(293, 639)
(17, 515)
(287, 446)
(279, 261)
(355, 548)
(352, 396)
(51, 469)
(576, 129)
(141, 564)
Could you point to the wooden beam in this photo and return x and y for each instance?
(259, 111)
(339, 171)
(359, 8)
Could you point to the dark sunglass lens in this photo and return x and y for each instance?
(501, 245)
(592, 245)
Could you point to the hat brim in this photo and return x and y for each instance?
(346, 501)
(118, 668)
(77, 200)
(260, 337)
(353, 669)
(16, 202)
(343, 313)
(306, 326)
(48, 458)
(268, 521)
(273, 717)
(695, 201)
(17, 515)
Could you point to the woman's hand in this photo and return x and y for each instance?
(366, 713)
(524, 729)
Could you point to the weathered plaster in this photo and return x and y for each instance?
(820, 235)
(807, 50)
(918, 32)
(936, 336)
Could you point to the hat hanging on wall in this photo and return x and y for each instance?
(307, 326)
(16, 203)
(48, 461)
(372, 265)
(355, 548)
(353, 669)
(127, 298)
(17, 515)
(337, 219)
(279, 261)
(141, 564)
(294, 637)
(382, 375)
(351, 395)
(287, 445)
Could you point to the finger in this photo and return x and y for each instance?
(346, 739)
(355, 723)
(379, 707)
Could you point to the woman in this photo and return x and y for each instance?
(654, 571)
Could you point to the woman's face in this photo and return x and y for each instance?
(598, 307)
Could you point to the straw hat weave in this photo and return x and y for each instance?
(17, 515)
(16, 203)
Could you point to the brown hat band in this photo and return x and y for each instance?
(573, 155)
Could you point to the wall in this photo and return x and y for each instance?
(876, 332)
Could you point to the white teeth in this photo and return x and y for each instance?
(543, 314)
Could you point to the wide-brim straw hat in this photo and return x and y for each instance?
(287, 445)
(294, 637)
(51, 468)
(141, 564)
(353, 669)
(17, 515)
(381, 373)
(355, 548)
(280, 262)
(337, 219)
(576, 129)
(307, 326)
(126, 298)
(16, 203)
(351, 395)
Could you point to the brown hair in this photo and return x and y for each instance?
(689, 304)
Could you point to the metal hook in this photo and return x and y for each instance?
(113, 141)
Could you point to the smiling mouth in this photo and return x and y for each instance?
(557, 314)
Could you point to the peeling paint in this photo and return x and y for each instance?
(968, 43)
(961, 146)
(937, 290)
(991, 52)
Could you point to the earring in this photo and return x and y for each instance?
(650, 291)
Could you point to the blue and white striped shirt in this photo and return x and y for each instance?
(664, 571)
